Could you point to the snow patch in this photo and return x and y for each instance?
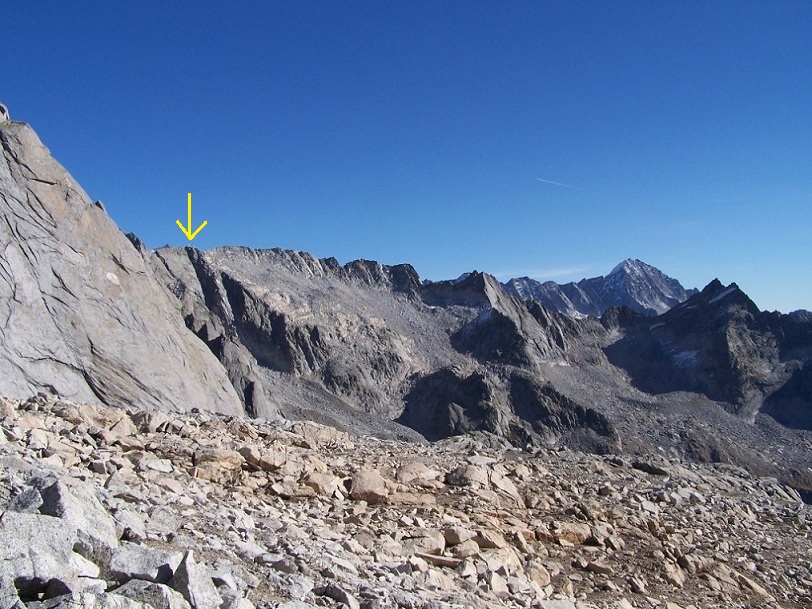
(685, 359)
(724, 294)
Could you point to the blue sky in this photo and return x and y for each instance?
(550, 139)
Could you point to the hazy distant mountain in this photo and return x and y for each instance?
(632, 283)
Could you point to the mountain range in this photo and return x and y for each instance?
(630, 363)
(632, 283)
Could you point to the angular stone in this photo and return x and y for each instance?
(497, 584)
(574, 532)
(455, 535)
(234, 600)
(423, 540)
(538, 573)
(97, 534)
(506, 486)
(368, 485)
(193, 581)
(36, 552)
(557, 604)
(217, 464)
(490, 539)
(600, 568)
(416, 472)
(753, 585)
(503, 560)
(90, 600)
(434, 579)
(674, 575)
(339, 594)
(133, 561)
(439, 561)
(157, 596)
(324, 484)
(466, 549)
(468, 475)
(264, 459)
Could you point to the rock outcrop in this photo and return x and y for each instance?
(81, 314)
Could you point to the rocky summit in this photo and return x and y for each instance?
(124, 508)
(236, 428)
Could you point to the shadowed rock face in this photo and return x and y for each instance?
(80, 312)
(719, 344)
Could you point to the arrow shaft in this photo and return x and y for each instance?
(187, 230)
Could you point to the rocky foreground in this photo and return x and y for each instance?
(107, 508)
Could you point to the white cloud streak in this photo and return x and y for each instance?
(554, 183)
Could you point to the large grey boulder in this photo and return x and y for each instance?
(36, 554)
(80, 310)
(155, 595)
(97, 536)
(133, 561)
(193, 581)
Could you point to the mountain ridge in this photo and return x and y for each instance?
(631, 283)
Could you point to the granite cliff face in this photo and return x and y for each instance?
(80, 312)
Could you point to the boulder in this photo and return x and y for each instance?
(96, 529)
(157, 596)
(217, 464)
(36, 553)
(193, 581)
(133, 561)
(468, 475)
(368, 485)
(89, 600)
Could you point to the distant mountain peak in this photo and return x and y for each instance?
(632, 283)
(629, 266)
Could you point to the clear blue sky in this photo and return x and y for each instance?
(550, 139)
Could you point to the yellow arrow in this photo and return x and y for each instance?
(188, 231)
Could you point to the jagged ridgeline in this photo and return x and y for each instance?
(93, 315)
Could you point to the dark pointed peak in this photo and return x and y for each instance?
(717, 295)
(716, 291)
(713, 286)
(470, 289)
(137, 243)
(801, 316)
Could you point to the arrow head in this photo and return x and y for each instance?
(188, 230)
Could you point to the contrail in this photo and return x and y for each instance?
(557, 184)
